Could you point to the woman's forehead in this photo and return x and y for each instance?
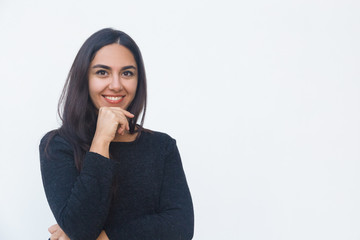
(114, 56)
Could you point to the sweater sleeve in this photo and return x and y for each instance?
(80, 201)
(175, 217)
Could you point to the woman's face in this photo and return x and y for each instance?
(113, 77)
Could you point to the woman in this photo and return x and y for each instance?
(104, 175)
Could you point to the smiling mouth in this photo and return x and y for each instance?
(113, 99)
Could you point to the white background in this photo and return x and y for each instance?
(262, 97)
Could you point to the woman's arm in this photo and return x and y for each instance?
(175, 216)
(80, 202)
(57, 233)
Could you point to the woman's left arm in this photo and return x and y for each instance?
(57, 233)
(175, 218)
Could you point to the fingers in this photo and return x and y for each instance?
(53, 228)
(103, 236)
(122, 123)
(118, 111)
(121, 117)
(64, 238)
(126, 113)
(58, 234)
(112, 121)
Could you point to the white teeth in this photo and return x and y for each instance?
(113, 98)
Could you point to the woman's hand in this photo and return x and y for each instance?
(111, 120)
(57, 233)
(103, 236)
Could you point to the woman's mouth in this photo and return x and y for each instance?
(113, 99)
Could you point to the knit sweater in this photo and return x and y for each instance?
(151, 200)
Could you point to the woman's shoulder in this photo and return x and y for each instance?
(157, 136)
(161, 141)
(53, 139)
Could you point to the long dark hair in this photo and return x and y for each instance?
(76, 109)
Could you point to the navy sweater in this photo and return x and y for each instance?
(151, 200)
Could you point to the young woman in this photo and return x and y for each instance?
(104, 175)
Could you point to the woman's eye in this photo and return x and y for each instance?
(101, 72)
(128, 73)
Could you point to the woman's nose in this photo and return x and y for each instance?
(115, 84)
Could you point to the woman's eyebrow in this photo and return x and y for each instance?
(101, 66)
(109, 68)
(128, 67)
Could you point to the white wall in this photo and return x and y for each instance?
(262, 97)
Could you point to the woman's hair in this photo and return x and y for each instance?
(76, 109)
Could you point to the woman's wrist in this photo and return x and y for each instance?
(100, 146)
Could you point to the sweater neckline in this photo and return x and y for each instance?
(137, 139)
